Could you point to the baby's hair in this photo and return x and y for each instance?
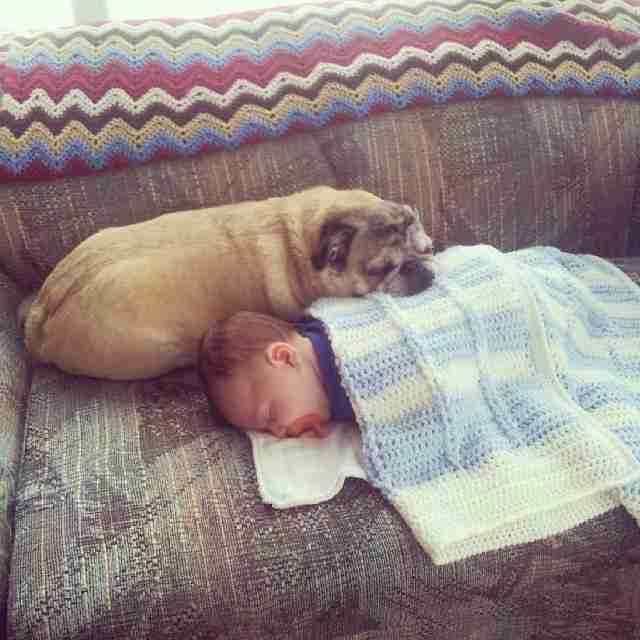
(228, 344)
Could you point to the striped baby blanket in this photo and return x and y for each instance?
(503, 404)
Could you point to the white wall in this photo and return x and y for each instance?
(128, 10)
(20, 15)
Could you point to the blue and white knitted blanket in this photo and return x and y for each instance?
(503, 404)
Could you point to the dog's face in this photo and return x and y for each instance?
(383, 249)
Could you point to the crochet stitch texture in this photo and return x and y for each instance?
(90, 98)
(503, 404)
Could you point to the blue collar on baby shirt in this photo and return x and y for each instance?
(340, 406)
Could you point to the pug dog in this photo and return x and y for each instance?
(133, 302)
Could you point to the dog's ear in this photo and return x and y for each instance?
(334, 246)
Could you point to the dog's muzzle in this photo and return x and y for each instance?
(418, 239)
(414, 276)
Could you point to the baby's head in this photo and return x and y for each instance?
(262, 375)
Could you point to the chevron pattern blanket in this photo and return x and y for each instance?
(83, 99)
(503, 404)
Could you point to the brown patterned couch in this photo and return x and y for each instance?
(130, 514)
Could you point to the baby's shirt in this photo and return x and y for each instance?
(340, 406)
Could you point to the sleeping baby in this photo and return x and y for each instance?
(500, 405)
(265, 374)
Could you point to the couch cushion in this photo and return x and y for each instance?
(14, 380)
(551, 171)
(511, 173)
(41, 222)
(136, 516)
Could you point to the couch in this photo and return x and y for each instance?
(127, 510)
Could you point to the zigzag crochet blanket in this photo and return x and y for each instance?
(84, 99)
(503, 404)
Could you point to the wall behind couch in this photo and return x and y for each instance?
(35, 14)
(127, 10)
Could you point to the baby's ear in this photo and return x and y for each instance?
(281, 353)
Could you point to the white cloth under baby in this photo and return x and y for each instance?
(294, 472)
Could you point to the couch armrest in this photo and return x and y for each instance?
(14, 381)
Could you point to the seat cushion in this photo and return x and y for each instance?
(138, 516)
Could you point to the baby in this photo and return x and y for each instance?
(265, 374)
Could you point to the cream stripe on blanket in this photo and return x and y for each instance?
(503, 404)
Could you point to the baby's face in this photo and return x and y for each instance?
(275, 392)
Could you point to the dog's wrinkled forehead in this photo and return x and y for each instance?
(365, 233)
(390, 217)
(396, 225)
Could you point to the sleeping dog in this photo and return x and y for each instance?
(133, 302)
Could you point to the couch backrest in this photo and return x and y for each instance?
(426, 94)
(510, 172)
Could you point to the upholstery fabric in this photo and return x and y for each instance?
(551, 171)
(14, 384)
(137, 517)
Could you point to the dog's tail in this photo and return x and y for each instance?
(23, 311)
(32, 315)
(31, 318)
